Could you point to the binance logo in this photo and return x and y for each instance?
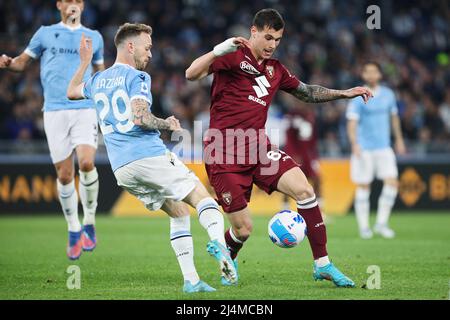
(411, 187)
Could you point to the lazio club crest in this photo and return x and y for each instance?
(270, 71)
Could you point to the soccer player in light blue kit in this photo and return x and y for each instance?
(141, 162)
(369, 131)
(69, 125)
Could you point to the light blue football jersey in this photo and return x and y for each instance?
(374, 118)
(57, 46)
(112, 91)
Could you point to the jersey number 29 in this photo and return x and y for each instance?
(119, 116)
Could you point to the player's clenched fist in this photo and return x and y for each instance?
(174, 124)
(5, 61)
(85, 49)
(229, 45)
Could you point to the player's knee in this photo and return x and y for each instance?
(244, 232)
(65, 176)
(303, 191)
(391, 182)
(86, 165)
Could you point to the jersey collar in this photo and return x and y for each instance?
(376, 91)
(121, 64)
(69, 27)
(260, 67)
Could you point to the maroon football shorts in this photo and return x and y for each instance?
(233, 182)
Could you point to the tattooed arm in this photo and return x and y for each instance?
(317, 94)
(145, 119)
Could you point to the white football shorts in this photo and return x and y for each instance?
(373, 163)
(153, 180)
(67, 129)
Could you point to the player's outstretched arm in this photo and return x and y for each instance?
(200, 67)
(75, 88)
(17, 64)
(145, 119)
(317, 94)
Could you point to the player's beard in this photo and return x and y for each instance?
(140, 65)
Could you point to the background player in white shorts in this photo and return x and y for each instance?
(69, 125)
(141, 162)
(369, 130)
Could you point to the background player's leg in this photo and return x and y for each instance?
(385, 203)
(69, 202)
(239, 232)
(362, 210)
(88, 186)
(294, 184)
(362, 169)
(386, 169)
(67, 194)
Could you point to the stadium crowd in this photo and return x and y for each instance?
(325, 42)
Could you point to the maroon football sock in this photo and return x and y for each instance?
(315, 228)
(232, 244)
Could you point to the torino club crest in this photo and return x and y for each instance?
(226, 196)
(270, 71)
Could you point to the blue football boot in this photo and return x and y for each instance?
(227, 265)
(331, 273)
(198, 287)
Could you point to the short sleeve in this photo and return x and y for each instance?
(353, 109)
(35, 47)
(140, 87)
(98, 54)
(288, 81)
(222, 63)
(393, 105)
(87, 88)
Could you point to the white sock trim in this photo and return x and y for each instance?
(389, 191)
(307, 203)
(69, 203)
(65, 190)
(88, 177)
(362, 194)
(180, 227)
(233, 236)
(205, 204)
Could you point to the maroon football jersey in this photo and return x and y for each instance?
(242, 91)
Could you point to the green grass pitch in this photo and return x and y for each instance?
(134, 260)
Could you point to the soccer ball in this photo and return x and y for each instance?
(287, 229)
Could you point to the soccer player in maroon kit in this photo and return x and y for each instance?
(301, 144)
(246, 79)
